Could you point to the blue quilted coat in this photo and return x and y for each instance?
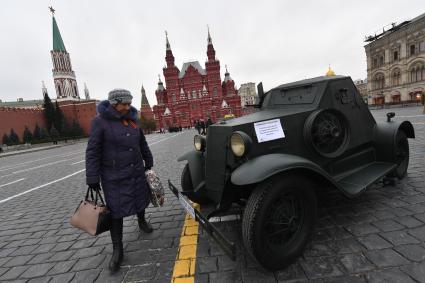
(117, 154)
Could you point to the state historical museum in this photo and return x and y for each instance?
(193, 92)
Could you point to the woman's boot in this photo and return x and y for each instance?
(118, 252)
(143, 224)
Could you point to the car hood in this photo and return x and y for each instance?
(264, 115)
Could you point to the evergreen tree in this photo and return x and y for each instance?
(148, 125)
(36, 133)
(49, 111)
(6, 139)
(27, 136)
(76, 130)
(151, 125)
(14, 139)
(54, 134)
(66, 128)
(58, 118)
(43, 133)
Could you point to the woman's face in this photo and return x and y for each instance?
(123, 108)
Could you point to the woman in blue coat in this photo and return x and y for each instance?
(117, 156)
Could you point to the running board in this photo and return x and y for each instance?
(358, 181)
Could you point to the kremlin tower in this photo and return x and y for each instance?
(145, 108)
(63, 75)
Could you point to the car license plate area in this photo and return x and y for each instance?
(228, 246)
(186, 205)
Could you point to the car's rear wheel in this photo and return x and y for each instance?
(279, 220)
(187, 186)
(402, 156)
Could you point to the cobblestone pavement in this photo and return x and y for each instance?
(379, 237)
(37, 244)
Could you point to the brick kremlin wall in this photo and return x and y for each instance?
(82, 111)
(17, 118)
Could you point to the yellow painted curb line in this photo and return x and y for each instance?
(184, 267)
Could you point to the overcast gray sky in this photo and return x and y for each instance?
(122, 43)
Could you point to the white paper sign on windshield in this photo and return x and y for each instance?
(269, 130)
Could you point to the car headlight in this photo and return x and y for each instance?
(240, 143)
(199, 142)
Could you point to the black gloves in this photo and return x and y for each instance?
(95, 186)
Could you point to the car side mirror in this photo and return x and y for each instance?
(389, 116)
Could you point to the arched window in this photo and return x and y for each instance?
(173, 97)
(412, 49)
(375, 62)
(381, 60)
(378, 81)
(396, 77)
(215, 92)
(417, 72)
(413, 75)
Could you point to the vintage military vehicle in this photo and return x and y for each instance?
(307, 135)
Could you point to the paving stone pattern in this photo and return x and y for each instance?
(379, 237)
(37, 243)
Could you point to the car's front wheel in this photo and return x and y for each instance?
(279, 219)
(402, 155)
(187, 186)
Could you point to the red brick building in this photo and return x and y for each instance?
(194, 92)
(18, 115)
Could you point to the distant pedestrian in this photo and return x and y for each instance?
(203, 127)
(198, 126)
(54, 135)
(117, 156)
(209, 123)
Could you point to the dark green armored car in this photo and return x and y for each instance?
(306, 135)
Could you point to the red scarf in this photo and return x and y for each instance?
(127, 122)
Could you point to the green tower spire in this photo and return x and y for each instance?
(57, 38)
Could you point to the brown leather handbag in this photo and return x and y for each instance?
(92, 216)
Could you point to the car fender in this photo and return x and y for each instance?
(384, 138)
(196, 161)
(262, 167)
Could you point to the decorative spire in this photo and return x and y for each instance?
(57, 38)
(145, 101)
(209, 36)
(86, 92)
(167, 43)
(43, 89)
(210, 48)
(169, 57)
(160, 85)
(227, 75)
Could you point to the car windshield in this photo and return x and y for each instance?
(290, 96)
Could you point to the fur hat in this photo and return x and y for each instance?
(119, 95)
